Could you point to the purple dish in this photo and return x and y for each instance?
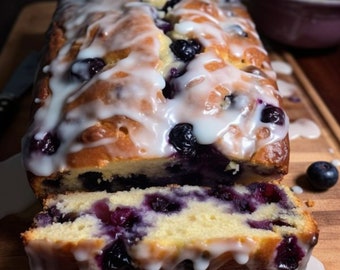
(298, 23)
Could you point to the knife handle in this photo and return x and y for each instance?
(7, 111)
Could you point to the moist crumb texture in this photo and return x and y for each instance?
(261, 225)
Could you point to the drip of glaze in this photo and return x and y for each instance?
(282, 67)
(336, 162)
(297, 189)
(304, 128)
(195, 104)
(286, 89)
(314, 264)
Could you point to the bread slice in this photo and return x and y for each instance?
(138, 94)
(258, 226)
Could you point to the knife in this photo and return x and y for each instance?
(20, 82)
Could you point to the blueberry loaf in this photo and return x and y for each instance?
(258, 226)
(138, 93)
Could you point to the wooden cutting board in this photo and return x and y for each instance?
(28, 34)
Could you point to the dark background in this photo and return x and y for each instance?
(9, 10)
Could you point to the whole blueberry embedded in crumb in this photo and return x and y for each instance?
(93, 181)
(289, 254)
(47, 143)
(185, 50)
(183, 140)
(162, 204)
(102, 211)
(322, 175)
(119, 221)
(241, 203)
(43, 219)
(273, 114)
(266, 224)
(116, 257)
(265, 193)
(53, 215)
(261, 224)
(85, 69)
(124, 217)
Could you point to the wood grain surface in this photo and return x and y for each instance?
(28, 34)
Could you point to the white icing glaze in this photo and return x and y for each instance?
(315, 264)
(331, 150)
(305, 128)
(282, 67)
(297, 189)
(336, 162)
(37, 263)
(144, 80)
(240, 250)
(286, 89)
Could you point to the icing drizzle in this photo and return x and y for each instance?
(138, 62)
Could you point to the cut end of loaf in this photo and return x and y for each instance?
(166, 226)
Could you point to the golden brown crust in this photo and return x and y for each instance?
(276, 153)
(120, 129)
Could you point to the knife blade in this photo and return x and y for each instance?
(20, 82)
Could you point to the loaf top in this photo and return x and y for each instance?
(119, 75)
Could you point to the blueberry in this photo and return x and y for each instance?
(265, 193)
(162, 204)
(224, 193)
(124, 217)
(322, 175)
(48, 144)
(243, 205)
(182, 138)
(289, 254)
(117, 222)
(266, 224)
(93, 181)
(261, 224)
(85, 69)
(272, 114)
(228, 101)
(53, 215)
(185, 265)
(230, 97)
(116, 257)
(163, 25)
(102, 211)
(170, 4)
(43, 219)
(185, 50)
(170, 90)
(240, 202)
